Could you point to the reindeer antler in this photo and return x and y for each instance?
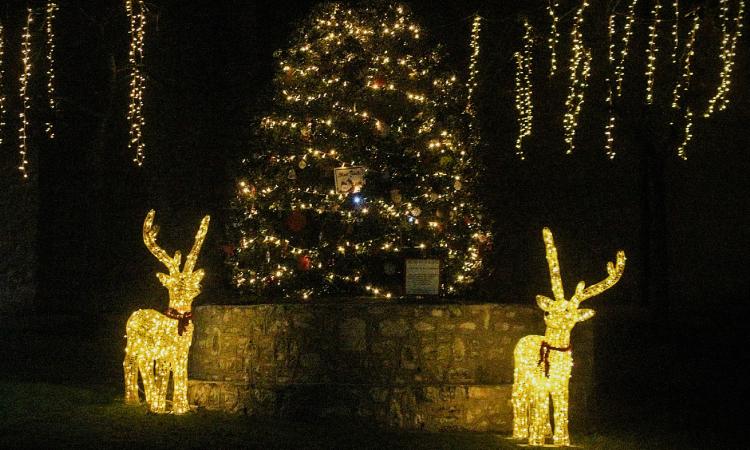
(199, 237)
(614, 272)
(149, 238)
(554, 265)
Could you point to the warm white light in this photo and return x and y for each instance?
(687, 136)
(524, 104)
(543, 363)
(49, 19)
(471, 84)
(626, 36)
(554, 36)
(652, 50)
(683, 82)
(580, 69)
(23, 93)
(158, 344)
(727, 52)
(137, 19)
(2, 82)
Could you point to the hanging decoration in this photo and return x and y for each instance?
(136, 11)
(580, 69)
(554, 35)
(49, 18)
(688, 134)
(720, 99)
(543, 364)
(683, 82)
(2, 81)
(626, 36)
(524, 105)
(610, 126)
(158, 343)
(471, 84)
(675, 31)
(23, 93)
(652, 50)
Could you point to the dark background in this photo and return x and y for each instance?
(209, 66)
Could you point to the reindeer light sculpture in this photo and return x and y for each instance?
(158, 343)
(543, 363)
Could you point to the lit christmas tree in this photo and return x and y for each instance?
(363, 162)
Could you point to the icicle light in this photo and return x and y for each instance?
(688, 134)
(626, 35)
(524, 105)
(729, 39)
(610, 126)
(137, 16)
(675, 31)
(23, 93)
(652, 50)
(687, 72)
(471, 84)
(49, 18)
(580, 68)
(2, 82)
(554, 35)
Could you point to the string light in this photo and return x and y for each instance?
(157, 343)
(687, 136)
(137, 18)
(675, 31)
(543, 364)
(720, 99)
(2, 81)
(471, 84)
(524, 105)
(610, 126)
(626, 36)
(580, 68)
(651, 51)
(23, 92)
(554, 35)
(49, 18)
(683, 82)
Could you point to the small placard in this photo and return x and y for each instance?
(349, 179)
(422, 276)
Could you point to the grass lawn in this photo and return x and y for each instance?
(60, 386)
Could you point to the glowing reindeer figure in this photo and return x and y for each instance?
(158, 343)
(543, 363)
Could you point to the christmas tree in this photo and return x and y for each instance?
(363, 161)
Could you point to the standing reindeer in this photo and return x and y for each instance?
(158, 343)
(543, 363)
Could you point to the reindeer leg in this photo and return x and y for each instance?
(161, 382)
(538, 416)
(131, 379)
(179, 397)
(146, 367)
(521, 400)
(560, 403)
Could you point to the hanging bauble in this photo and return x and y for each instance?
(416, 211)
(268, 256)
(306, 133)
(434, 195)
(445, 161)
(296, 221)
(440, 212)
(302, 164)
(303, 262)
(457, 185)
(378, 82)
(292, 174)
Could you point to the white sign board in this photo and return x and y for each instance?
(422, 276)
(349, 179)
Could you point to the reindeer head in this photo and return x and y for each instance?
(562, 314)
(185, 285)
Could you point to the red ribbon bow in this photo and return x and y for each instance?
(183, 319)
(544, 355)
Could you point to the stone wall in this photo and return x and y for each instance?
(432, 367)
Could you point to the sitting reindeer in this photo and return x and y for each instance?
(158, 343)
(543, 363)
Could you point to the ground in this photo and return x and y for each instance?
(61, 386)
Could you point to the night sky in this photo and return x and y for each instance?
(209, 66)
